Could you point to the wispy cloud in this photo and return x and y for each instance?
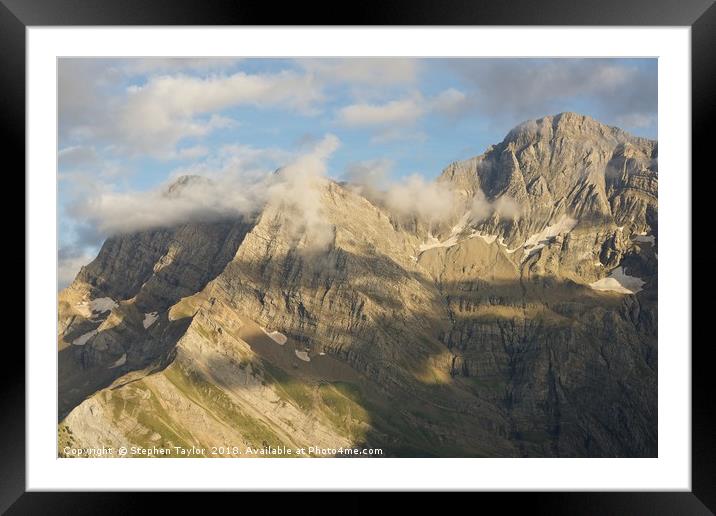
(403, 111)
(363, 71)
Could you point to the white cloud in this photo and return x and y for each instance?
(231, 192)
(407, 197)
(153, 116)
(393, 112)
(167, 109)
(449, 102)
(298, 191)
(401, 111)
(429, 200)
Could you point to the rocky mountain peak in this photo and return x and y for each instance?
(567, 125)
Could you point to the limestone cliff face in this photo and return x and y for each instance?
(567, 165)
(524, 329)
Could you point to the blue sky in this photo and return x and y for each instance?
(129, 126)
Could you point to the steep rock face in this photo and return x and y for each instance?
(567, 165)
(510, 334)
(161, 266)
(358, 297)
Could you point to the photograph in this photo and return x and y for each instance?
(357, 257)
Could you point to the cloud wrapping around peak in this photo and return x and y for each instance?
(297, 192)
(231, 193)
(407, 198)
(415, 198)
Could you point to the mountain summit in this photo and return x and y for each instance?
(523, 323)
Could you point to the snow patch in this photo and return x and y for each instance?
(102, 304)
(433, 242)
(487, 238)
(539, 240)
(149, 319)
(453, 239)
(619, 281)
(82, 339)
(120, 361)
(302, 355)
(278, 337)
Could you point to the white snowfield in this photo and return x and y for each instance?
(150, 319)
(102, 304)
(537, 241)
(278, 337)
(453, 239)
(487, 238)
(120, 361)
(302, 355)
(533, 244)
(619, 281)
(82, 339)
(433, 242)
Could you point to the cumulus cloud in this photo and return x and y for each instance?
(168, 108)
(166, 104)
(235, 191)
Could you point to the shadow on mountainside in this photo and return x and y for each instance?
(84, 370)
(469, 368)
(547, 368)
(164, 265)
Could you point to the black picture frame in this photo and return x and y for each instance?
(17, 15)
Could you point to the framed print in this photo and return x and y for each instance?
(451, 248)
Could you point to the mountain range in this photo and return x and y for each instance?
(522, 323)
